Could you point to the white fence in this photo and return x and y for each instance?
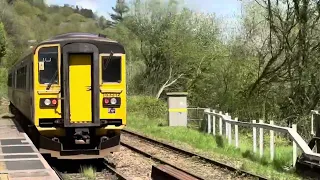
(214, 116)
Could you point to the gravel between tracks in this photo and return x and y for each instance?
(131, 164)
(193, 165)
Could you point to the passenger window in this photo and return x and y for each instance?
(111, 69)
(21, 78)
(48, 65)
(10, 80)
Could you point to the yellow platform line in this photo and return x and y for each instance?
(4, 177)
(3, 168)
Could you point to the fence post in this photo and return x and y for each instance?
(254, 137)
(197, 111)
(261, 139)
(220, 123)
(236, 136)
(229, 132)
(214, 123)
(209, 121)
(294, 147)
(271, 142)
(227, 126)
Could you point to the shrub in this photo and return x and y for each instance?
(148, 106)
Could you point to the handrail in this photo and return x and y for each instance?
(293, 134)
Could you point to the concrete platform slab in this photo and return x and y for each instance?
(19, 158)
(24, 165)
(13, 141)
(17, 149)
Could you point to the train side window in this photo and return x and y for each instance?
(31, 79)
(21, 77)
(111, 69)
(24, 77)
(48, 65)
(10, 80)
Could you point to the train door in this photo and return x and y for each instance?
(80, 84)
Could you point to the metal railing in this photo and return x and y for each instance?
(195, 116)
(227, 121)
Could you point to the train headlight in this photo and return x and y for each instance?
(47, 102)
(113, 101)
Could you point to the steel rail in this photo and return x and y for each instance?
(59, 174)
(191, 154)
(114, 171)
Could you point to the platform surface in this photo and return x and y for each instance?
(19, 158)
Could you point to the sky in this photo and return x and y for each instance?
(225, 8)
(227, 11)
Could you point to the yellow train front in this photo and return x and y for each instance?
(72, 90)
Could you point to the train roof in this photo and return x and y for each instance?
(79, 35)
(75, 37)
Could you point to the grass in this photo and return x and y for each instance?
(88, 172)
(148, 116)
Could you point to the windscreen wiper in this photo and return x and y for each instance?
(106, 63)
(52, 79)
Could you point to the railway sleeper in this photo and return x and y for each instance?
(162, 172)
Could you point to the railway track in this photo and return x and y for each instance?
(58, 173)
(111, 168)
(192, 164)
(158, 159)
(69, 170)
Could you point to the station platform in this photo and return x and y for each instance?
(19, 158)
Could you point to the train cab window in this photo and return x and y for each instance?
(111, 69)
(48, 65)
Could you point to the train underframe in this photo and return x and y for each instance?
(78, 143)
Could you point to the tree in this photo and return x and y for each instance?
(174, 44)
(120, 9)
(2, 42)
(103, 23)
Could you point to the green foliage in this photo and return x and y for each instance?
(148, 106)
(3, 42)
(171, 44)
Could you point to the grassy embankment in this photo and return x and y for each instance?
(149, 116)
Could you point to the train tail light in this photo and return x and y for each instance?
(48, 102)
(54, 101)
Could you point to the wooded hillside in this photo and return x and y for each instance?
(269, 68)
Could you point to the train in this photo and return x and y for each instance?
(69, 92)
